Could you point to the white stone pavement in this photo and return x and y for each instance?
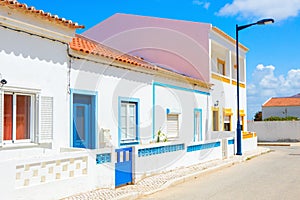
(161, 181)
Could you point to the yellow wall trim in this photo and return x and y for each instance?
(227, 111)
(242, 113)
(242, 85)
(220, 78)
(248, 135)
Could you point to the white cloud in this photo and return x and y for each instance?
(256, 9)
(266, 84)
(293, 79)
(204, 4)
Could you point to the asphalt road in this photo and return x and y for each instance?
(275, 175)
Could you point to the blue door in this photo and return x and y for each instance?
(82, 121)
(81, 125)
(123, 167)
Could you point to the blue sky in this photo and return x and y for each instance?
(273, 62)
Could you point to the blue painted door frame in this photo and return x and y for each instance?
(123, 167)
(83, 119)
(197, 129)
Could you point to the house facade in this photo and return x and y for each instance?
(195, 49)
(281, 107)
(77, 114)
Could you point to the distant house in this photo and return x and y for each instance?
(282, 107)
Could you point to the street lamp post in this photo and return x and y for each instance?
(238, 128)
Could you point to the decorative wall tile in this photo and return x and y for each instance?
(199, 147)
(160, 150)
(43, 172)
(103, 158)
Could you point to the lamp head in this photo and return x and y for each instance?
(265, 21)
(3, 81)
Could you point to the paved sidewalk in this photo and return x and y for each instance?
(159, 182)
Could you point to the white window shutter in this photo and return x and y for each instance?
(46, 119)
(172, 125)
(1, 117)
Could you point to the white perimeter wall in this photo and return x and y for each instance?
(276, 130)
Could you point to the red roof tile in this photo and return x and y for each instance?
(282, 101)
(13, 4)
(85, 45)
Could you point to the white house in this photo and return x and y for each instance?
(281, 107)
(76, 115)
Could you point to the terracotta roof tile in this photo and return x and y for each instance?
(13, 4)
(85, 45)
(282, 101)
(88, 46)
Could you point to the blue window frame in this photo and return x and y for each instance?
(198, 125)
(128, 123)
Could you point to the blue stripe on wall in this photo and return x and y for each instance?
(200, 147)
(231, 141)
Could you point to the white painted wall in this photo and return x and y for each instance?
(180, 101)
(112, 83)
(225, 93)
(281, 111)
(249, 144)
(276, 130)
(34, 63)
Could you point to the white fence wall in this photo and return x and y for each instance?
(159, 157)
(46, 174)
(276, 130)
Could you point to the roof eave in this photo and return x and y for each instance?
(229, 38)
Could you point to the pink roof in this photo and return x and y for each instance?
(180, 46)
(87, 46)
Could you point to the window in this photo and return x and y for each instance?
(129, 121)
(227, 123)
(18, 111)
(216, 120)
(242, 119)
(172, 125)
(242, 122)
(198, 125)
(221, 66)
